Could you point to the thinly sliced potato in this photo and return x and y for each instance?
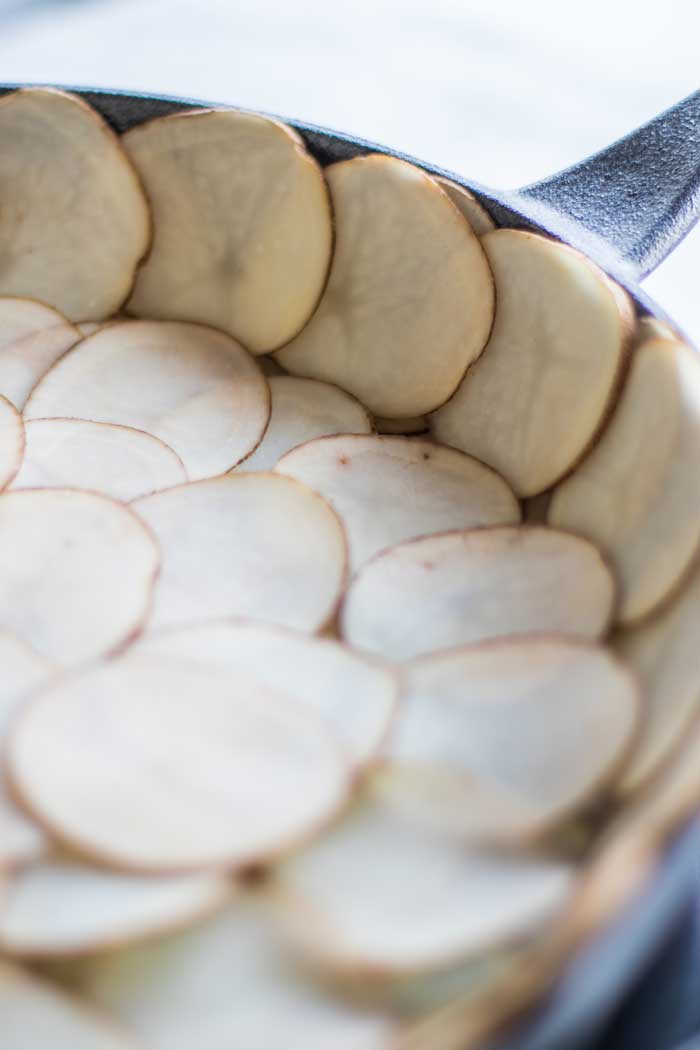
(505, 740)
(228, 984)
(192, 387)
(653, 328)
(532, 405)
(32, 338)
(73, 233)
(303, 409)
(60, 907)
(390, 489)
(77, 572)
(635, 495)
(242, 225)
(12, 441)
(117, 461)
(409, 286)
(475, 214)
(155, 766)
(410, 425)
(256, 545)
(354, 695)
(469, 586)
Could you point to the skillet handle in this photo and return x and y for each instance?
(642, 194)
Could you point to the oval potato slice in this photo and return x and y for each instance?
(475, 213)
(12, 441)
(72, 234)
(469, 586)
(242, 225)
(256, 545)
(32, 338)
(160, 767)
(303, 409)
(409, 287)
(535, 400)
(78, 572)
(192, 387)
(390, 489)
(117, 461)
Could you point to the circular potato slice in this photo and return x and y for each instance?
(636, 495)
(154, 766)
(409, 301)
(72, 234)
(475, 214)
(228, 984)
(32, 338)
(11, 441)
(303, 409)
(192, 387)
(256, 545)
(78, 572)
(457, 760)
(390, 489)
(117, 461)
(242, 225)
(354, 695)
(469, 586)
(537, 397)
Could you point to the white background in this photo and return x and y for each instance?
(505, 91)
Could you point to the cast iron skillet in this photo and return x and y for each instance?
(626, 207)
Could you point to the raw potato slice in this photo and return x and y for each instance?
(389, 489)
(72, 234)
(158, 767)
(652, 328)
(228, 985)
(63, 908)
(117, 461)
(534, 402)
(636, 495)
(256, 545)
(409, 301)
(463, 587)
(510, 738)
(32, 338)
(411, 425)
(192, 387)
(475, 214)
(242, 225)
(11, 441)
(303, 409)
(77, 574)
(354, 695)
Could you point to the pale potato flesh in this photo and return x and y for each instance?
(32, 338)
(475, 214)
(12, 441)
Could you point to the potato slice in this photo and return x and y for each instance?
(152, 766)
(473, 585)
(303, 409)
(409, 287)
(11, 441)
(72, 234)
(117, 461)
(635, 495)
(389, 489)
(192, 387)
(475, 213)
(257, 545)
(356, 696)
(457, 762)
(32, 338)
(534, 402)
(410, 425)
(78, 573)
(242, 225)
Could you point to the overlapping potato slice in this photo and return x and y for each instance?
(505, 740)
(32, 338)
(389, 489)
(117, 461)
(357, 697)
(256, 545)
(475, 214)
(242, 225)
(73, 230)
(11, 441)
(535, 400)
(468, 586)
(409, 300)
(192, 387)
(76, 574)
(635, 495)
(303, 409)
(155, 766)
